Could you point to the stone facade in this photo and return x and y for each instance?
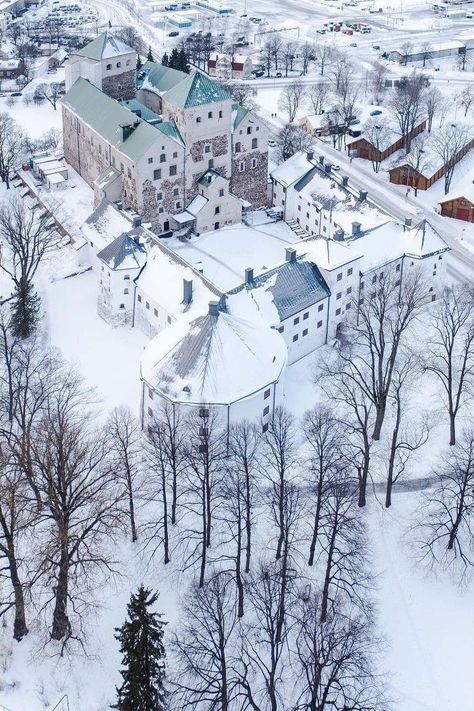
(250, 184)
(120, 86)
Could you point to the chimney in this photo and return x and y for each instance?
(339, 235)
(310, 155)
(327, 167)
(345, 180)
(355, 228)
(136, 221)
(128, 129)
(213, 308)
(408, 222)
(187, 291)
(249, 275)
(362, 195)
(321, 160)
(290, 255)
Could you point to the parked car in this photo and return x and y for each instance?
(258, 72)
(353, 44)
(375, 112)
(271, 142)
(375, 46)
(336, 167)
(175, 33)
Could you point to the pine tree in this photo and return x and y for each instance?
(173, 62)
(165, 60)
(183, 63)
(25, 306)
(139, 63)
(141, 643)
(150, 55)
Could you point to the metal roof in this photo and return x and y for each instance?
(124, 252)
(107, 116)
(103, 47)
(159, 77)
(196, 90)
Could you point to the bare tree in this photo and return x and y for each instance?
(433, 99)
(407, 105)
(405, 51)
(323, 54)
(12, 147)
(290, 140)
(336, 661)
(324, 437)
(291, 98)
(15, 519)
(307, 54)
(205, 674)
(379, 134)
(279, 458)
(408, 435)
(448, 143)
(317, 95)
(418, 161)
(51, 92)
(28, 236)
(450, 351)
(377, 80)
(447, 527)
(82, 506)
(205, 451)
(288, 53)
(426, 51)
(465, 99)
(125, 446)
(341, 70)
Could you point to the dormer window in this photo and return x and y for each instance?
(119, 64)
(198, 119)
(108, 67)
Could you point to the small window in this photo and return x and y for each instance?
(160, 210)
(249, 130)
(305, 332)
(253, 163)
(147, 305)
(266, 394)
(266, 410)
(207, 148)
(295, 338)
(155, 312)
(150, 412)
(173, 170)
(361, 284)
(175, 191)
(348, 306)
(320, 307)
(129, 172)
(162, 157)
(241, 166)
(217, 210)
(254, 142)
(305, 315)
(238, 147)
(339, 276)
(265, 427)
(139, 298)
(349, 272)
(203, 412)
(221, 114)
(175, 154)
(398, 268)
(169, 319)
(119, 64)
(125, 291)
(374, 279)
(319, 324)
(338, 295)
(150, 393)
(203, 432)
(127, 277)
(177, 205)
(281, 329)
(157, 174)
(209, 114)
(108, 67)
(296, 321)
(198, 119)
(349, 290)
(338, 312)
(221, 192)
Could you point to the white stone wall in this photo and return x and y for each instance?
(306, 330)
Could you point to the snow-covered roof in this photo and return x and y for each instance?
(104, 47)
(463, 188)
(162, 280)
(105, 224)
(328, 254)
(393, 240)
(292, 169)
(218, 359)
(124, 252)
(196, 205)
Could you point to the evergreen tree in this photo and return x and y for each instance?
(149, 56)
(139, 63)
(141, 643)
(25, 306)
(183, 63)
(173, 62)
(165, 60)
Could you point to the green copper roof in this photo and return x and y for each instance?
(103, 47)
(158, 77)
(107, 116)
(196, 90)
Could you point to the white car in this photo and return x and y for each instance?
(271, 142)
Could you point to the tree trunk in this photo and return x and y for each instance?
(281, 517)
(317, 513)
(20, 629)
(238, 571)
(452, 428)
(131, 505)
(61, 624)
(166, 542)
(248, 522)
(363, 473)
(327, 577)
(379, 418)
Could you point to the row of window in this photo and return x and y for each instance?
(118, 65)
(253, 164)
(210, 114)
(238, 145)
(163, 157)
(157, 173)
(147, 306)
